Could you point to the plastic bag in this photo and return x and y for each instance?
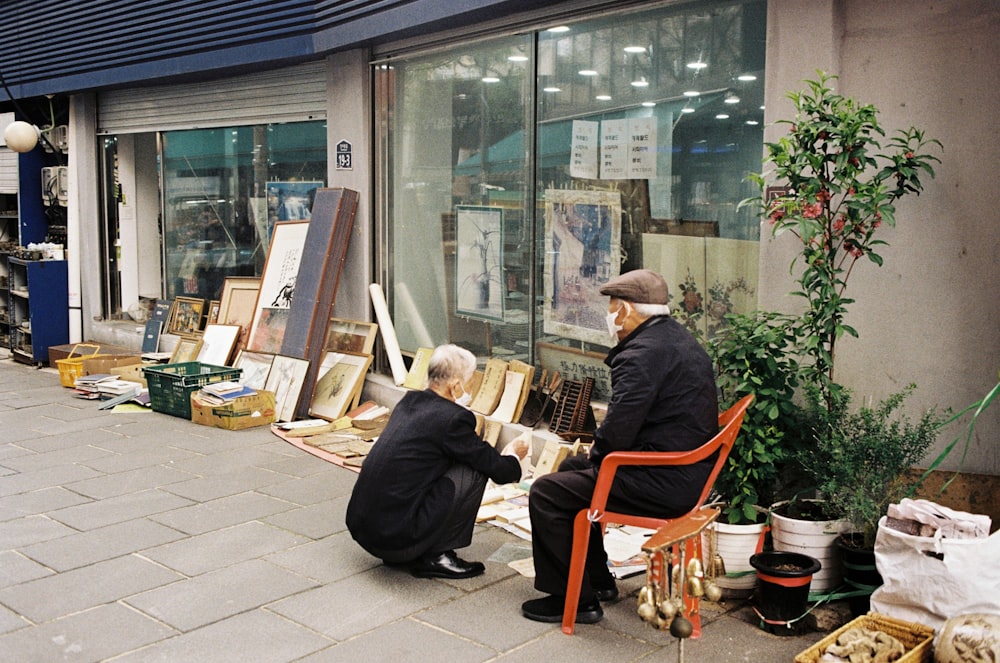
(929, 579)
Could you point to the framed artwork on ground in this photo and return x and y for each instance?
(285, 380)
(277, 287)
(239, 296)
(217, 344)
(186, 350)
(255, 367)
(185, 317)
(213, 312)
(351, 336)
(582, 240)
(338, 384)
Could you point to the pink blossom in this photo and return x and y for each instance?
(812, 210)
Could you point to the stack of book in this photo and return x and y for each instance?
(103, 385)
(220, 393)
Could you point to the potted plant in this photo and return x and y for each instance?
(858, 461)
(832, 185)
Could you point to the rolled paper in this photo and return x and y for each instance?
(388, 334)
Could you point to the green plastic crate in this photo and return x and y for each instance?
(171, 385)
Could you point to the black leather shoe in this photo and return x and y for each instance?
(550, 609)
(606, 594)
(446, 565)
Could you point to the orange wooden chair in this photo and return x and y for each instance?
(729, 422)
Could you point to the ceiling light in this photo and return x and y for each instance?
(746, 78)
(697, 65)
(649, 104)
(551, 88)
(722, 116)
(21, 136)
(603, 97)
(687, 109)
(517, 58)
(732, 99)
(587, 72)
(691, 93)
(490, 79)
(642, 82)
(559, 28)
(753, 123)
(635, 49)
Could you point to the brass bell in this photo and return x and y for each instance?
(695, 568)
(718, 566)
(645, 595)
(668, 609)
(647, 612)
(695, 587)
(712, 591)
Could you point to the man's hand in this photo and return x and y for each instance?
(520, 447)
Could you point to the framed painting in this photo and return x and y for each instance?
(285, 379)
(236, 304)
(218, 343)
(186, 350)
(289, 201)
(338, 384)
(479, 278)
(213, 312)
(351, 336)
(185, 316)
(582, 240)
(255, 367)
(277, 287)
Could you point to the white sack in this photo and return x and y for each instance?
(929, 579)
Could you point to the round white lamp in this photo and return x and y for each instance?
(21, 136)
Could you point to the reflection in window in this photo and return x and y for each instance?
(223, 190)
(572, 155)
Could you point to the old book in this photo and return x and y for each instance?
(491, 388)
(491, 431)
(506, 409)
(553, 453)
(528, 370)
(416, 377)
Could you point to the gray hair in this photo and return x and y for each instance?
(448, 362)
(649, 310)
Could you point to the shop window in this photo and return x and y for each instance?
(223, 190)
(521, 173)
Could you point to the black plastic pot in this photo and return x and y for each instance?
(782, 589)
(860, 573)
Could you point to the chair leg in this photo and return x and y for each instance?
(577, 564)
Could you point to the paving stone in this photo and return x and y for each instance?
(118, 509)
(84, 548)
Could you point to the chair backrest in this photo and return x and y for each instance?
(730, 422)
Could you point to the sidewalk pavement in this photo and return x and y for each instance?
(143, 537)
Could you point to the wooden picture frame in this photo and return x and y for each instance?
(238, 299)
(186, 350)
(213, 312)
(338, 384)
(218, 343)
(277, 287)
(185, 316)
(285, 380)
(351, 336)
(255, 366)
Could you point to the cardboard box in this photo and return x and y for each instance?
(109, 364)
(133, 372)
(240, 413)
(57, 352)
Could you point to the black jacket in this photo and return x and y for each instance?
(663, 398)
(400, 497)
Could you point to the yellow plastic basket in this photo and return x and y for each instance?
(71, 367)
(917, 638)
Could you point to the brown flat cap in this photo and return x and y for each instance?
(642, 286)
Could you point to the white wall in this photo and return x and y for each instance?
(931, 315)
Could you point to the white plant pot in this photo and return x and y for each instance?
(816, 538)
(735, 543)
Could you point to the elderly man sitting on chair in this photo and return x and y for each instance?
(663, 398)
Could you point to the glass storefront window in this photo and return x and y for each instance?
(522, 173)
(223, 189)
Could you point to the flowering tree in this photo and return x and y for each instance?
(833, 187)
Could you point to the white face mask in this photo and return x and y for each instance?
(464, 399)
(614, 327)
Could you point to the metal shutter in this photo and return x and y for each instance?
(279, 95)
(8, 171)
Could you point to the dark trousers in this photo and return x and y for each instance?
(456, 526)
(553, 503)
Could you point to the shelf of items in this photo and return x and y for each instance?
(8, 244)
(36, 323)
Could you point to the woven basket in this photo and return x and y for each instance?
(916, 638)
